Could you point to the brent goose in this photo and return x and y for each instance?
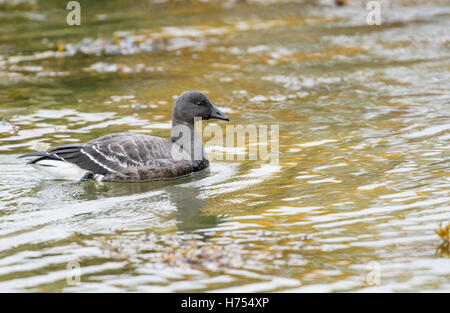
(127, 157)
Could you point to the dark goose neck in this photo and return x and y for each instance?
(185, 135)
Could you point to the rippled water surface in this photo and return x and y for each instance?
(362, 182)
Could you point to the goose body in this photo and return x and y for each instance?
(127, 157)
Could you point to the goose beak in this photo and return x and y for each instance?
(216, 113)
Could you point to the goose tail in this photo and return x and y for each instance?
(53, 166)
(39, 156)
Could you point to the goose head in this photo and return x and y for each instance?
(194, 104)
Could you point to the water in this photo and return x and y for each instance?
(362, 182)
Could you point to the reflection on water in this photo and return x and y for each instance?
(363, 114)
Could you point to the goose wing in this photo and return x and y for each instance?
(114, 154)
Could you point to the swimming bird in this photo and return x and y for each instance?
(128, 157)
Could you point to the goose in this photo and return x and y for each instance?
(128, 157)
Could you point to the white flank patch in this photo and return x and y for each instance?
(59, 169)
